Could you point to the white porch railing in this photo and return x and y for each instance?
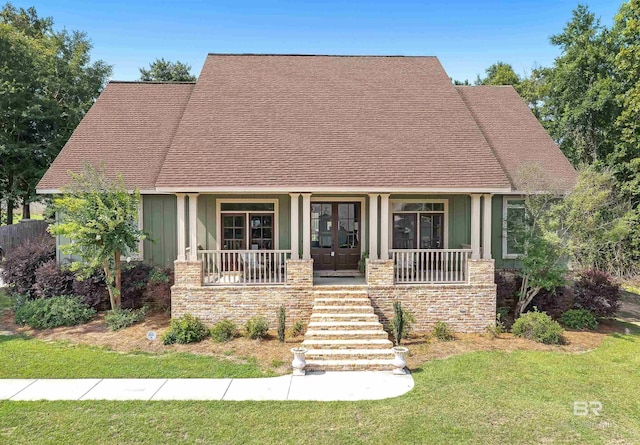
(430, 265)
(243, 267)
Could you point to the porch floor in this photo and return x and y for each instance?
(339, 281)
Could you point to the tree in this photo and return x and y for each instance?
(47, 83)
(499, 73)
(164, 70)
(100, 217)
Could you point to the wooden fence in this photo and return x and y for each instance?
(15, 234)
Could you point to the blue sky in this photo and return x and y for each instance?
(467, 36)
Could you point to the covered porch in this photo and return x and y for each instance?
(281, 239)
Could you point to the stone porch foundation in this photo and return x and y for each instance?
(468, 307)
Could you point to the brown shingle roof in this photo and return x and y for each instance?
(129, 129)
(517, 138)
(301, 122)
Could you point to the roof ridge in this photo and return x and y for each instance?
(320, 55)
(484, 136)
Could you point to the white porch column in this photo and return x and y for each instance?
(475, 226)
(193, 226)
(384, 226)
(373, 226)
(295, 197)
(182, 230)
(306, 226)
(486, 227)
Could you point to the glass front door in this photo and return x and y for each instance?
(335, 235)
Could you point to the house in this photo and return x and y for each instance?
(273, 170)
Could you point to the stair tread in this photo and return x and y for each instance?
(344, 323)
(368, 315)
(343, 300)
(347, 341)
(349, 351)
(358, 332)
(360, 361)
(334, 292)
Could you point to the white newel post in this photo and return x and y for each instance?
(295, 198)
(486, 227)
(373, 226)
(193, 226)
(182, 230)
(384, 226)
(306, 226)
(475, 226)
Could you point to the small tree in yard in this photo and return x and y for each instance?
(100, 217)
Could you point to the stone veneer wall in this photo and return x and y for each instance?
(239, 303)
(465, 307)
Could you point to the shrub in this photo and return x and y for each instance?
(401, 323)
(52, 312)
(297, 328)
(282, 318)
(257, 327)
(118, 319)
(538, 326)
(579, 319)
(597, 292)
(186, 329)
(19, 268)
(555, 301)
(224, 330)
(497, 328)
(51, 280)
(442, 331)
(157, 294)
(93, 291)
(135, 277)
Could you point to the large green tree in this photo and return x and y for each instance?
(47, 83)
(164, 70)
(499, 73)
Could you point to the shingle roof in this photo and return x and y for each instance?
(517, 138)
(327, 121)
(302, 123)
(129, 129)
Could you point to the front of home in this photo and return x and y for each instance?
(274, 180)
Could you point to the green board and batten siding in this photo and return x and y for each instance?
(159, 221)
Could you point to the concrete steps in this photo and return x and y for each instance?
(344, 334)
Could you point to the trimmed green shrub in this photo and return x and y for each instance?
(257, 327)
(186, 329)
(52, 312)
(538, 326)
(401, 323)
(282, 318)
(297, 328)
(223, 331)
(579, 319)
(117, 319)
(442, 331)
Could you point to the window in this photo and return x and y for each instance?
(513, 221)
(248, 225)
(418, 225)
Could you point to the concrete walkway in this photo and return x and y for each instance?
(329, 386)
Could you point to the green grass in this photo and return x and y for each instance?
(482, 397)
(29, 358)
(5, 301)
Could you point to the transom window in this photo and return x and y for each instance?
(247, 225)
(418, 225)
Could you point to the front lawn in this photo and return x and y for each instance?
(23, 357)
(480, 397)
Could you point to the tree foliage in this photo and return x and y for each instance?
(499, 73)
(164, 70)
(47, 83)
(100, 217)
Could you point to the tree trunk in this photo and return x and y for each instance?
(107, 274)
(26, 209)
(118, 278)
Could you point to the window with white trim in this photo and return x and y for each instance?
(513, 222)
(418, 225)
(248, 225)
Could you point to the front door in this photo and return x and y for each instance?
(335, 235)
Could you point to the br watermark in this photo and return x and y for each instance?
(581, 408)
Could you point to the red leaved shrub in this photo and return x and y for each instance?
(20, 266)
(596, 291)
